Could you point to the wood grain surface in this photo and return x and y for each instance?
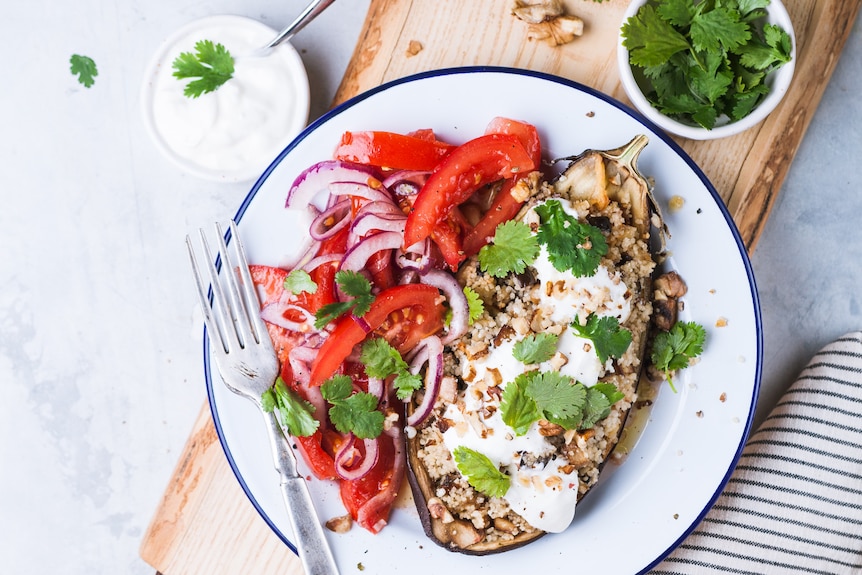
(205, 523)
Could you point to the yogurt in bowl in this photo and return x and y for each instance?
(233, 133)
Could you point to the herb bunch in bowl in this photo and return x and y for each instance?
(708, 61)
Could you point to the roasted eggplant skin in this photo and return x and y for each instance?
(598, 176)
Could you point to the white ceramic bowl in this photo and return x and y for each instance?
(233, 133)
(778, 82)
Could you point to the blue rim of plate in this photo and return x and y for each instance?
(576, 86)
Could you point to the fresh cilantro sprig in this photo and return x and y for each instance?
(571, 244)
(475, 305)
(704, 59)
(512, 249)
(536, 348)
(557, 398)
(673, 350)
(211, 65)
(294, 413)
(351, 412)
(84, 68)
(481, 472)
(299, 281)
(609, 338)
(381, 360)
(357, 287)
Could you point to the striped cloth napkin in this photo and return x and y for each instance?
(794, 502)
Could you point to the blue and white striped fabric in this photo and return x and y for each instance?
(794, 502)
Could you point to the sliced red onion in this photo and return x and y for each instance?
(447, 283)
(376, 387)
(315, 263)
(380, 208)
(357, 256)
(409, 178)
(361, 323)
(416, 257)
(330, 221)
(317, 178)
(348, 452)
(359, 190)
(368, 222)
(300, 358)
(432, 354)
(274, 314)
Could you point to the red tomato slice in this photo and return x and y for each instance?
(369, 499)
(418, 314)
(467, 168)
(504, 207)
(391, 150)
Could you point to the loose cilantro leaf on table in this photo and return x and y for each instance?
(702, 60)
(513, 248)
(299, 281)
(610, 339)
(353, 284)
(351, 412)
(571, 244)
(536, 348)
(294, 413)
(84, 68)
(381, 360)
(673, 350)
(211, 65)
(481, 472)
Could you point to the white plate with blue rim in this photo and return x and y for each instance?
(643, 505)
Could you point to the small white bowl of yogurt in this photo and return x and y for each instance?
(233, 133)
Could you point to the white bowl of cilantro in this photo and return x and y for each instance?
(219, 107)
(703, 71)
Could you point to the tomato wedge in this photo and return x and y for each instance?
(392, 150)
(467, 168)
(504, 207)
(419, 315)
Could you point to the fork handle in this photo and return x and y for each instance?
(311, 543)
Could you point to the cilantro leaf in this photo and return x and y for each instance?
(381, 360)
(535, 395)
(474, 304)
(517, 409)
(294, 413)
(211, 64)
(513, 248)
(481, 472)
(299, 281)
(85, 68)
(650, 39)
(610, 339)
(558, 397)
(571, 244)
(596, 408)
(536, 348)
(353, 284)
(673, 350)
(350, 412)
(705, 60)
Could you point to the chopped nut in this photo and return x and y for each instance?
(340, 524)
(439, 511)
(548, 429)
(413, 48)
(721, 322)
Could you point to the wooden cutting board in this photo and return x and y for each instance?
(205, 523)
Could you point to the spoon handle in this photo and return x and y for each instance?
(310, 13)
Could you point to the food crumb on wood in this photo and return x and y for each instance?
(413, 48)
(547, 20)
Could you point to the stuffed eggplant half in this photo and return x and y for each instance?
(535, 395)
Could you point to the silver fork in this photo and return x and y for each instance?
(248, 365)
